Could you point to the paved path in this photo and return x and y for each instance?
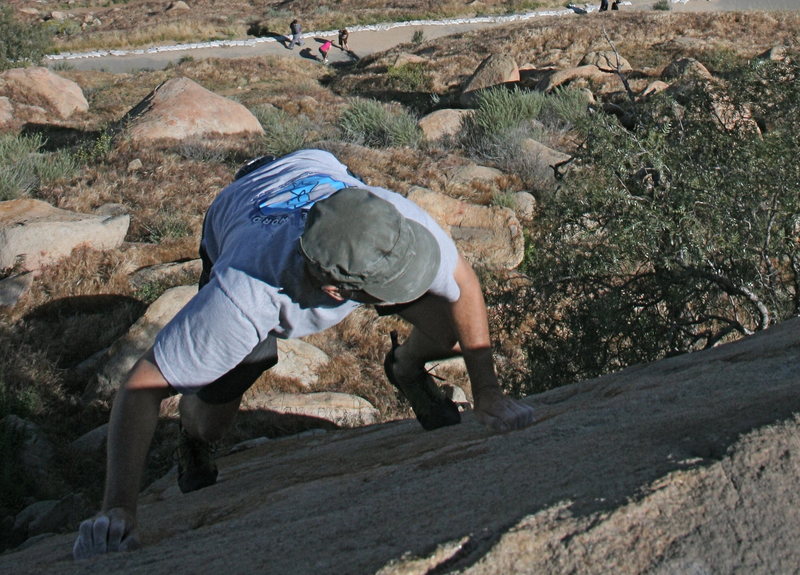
(364, 40)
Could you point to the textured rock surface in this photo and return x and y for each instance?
(688, 465)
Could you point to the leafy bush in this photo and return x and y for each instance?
(673, 236)
(283, 134)
(23, 168)
(370, 123)
(21, 43)
(410, 77)
(662, 5)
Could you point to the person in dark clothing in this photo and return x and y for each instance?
(297, 34)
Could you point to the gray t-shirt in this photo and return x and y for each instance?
(259, 285)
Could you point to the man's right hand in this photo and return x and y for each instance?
(112, 530)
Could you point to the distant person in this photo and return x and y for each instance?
(297, 34)
(603, 5)
(324, 49)
(290, 248)
(344, 34)
(615, 5)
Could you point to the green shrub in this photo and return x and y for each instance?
(23, 168)
(505, 118)
(167, 225)
(21, 43)
(662, 5)
(410, 77)
(95, 147)
(283, 134)
(371, 123)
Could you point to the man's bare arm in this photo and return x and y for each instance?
(471, 323)
(133, 421)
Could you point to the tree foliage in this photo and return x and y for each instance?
(674, 234)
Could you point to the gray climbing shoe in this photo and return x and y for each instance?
(196, 467)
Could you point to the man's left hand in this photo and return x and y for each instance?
(502, 413)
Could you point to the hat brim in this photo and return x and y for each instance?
(420, 270)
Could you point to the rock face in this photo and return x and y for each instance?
(180, 108)
(687, 465)
(40, 234)
(39, 87)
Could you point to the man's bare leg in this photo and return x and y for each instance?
(432, 337)
(207, 421)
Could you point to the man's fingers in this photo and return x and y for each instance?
(83, 544)
(116, 531)
(100, 535)
(507, 415)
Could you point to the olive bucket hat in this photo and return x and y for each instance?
(360, 241)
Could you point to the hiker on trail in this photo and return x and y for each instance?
(326, 46)
(297, 34)
(290, 248)
(603, 5)
(344, 34)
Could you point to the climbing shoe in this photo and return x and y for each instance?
(196, 467)
(432, 408)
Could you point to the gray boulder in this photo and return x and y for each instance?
(37, 234)
(495, 70)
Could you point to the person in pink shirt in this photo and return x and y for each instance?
(324, 51)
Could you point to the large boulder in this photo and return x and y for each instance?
(588, 72)
(180, 108)
(37, 234)
(606, 61)
(300, 360)
(542, 164)
(129, 348)
(490, 236)
(685, 67)
(341, 409)
(40, 88)
(495, 70)
(441, 123)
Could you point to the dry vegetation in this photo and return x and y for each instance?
(80, 305)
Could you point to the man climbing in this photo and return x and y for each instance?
(290, 248)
